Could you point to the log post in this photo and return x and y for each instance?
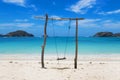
(76, 51)
(44, 43)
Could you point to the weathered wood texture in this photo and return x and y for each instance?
(76, 51)
(40, 17)
(44, 43)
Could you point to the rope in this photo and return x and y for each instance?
(67, 39)
(55, 41)
(69, 26)
(66, 45)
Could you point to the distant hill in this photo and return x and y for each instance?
(1, 35)
(106, 34)
(116, 35)
(18, 33)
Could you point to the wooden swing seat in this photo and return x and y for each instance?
(61, 58)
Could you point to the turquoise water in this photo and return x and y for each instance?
(86, 45)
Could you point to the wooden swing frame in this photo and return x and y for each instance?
(45, 37)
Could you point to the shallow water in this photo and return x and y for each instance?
(86, 45)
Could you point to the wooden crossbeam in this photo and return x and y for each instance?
(50, 18)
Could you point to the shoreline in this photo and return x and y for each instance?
(88, 57)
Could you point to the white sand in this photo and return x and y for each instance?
(89, 68)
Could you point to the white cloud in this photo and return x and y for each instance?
(54, 16)
(81, 6)
(99, 23)
(22, 3)
(89, 20)
(111, 24)
(110, 12)
(96, 23)
(82, 23)
(87, 23)
(6, 24)
(21, 20)
(33, 7)
(23, 25)
(16, 2)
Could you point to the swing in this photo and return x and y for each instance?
(45, 33)
(62, 58)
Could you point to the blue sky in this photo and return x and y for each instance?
(100, 15)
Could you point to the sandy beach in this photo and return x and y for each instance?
(17, 68)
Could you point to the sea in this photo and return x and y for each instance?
(60, 46)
